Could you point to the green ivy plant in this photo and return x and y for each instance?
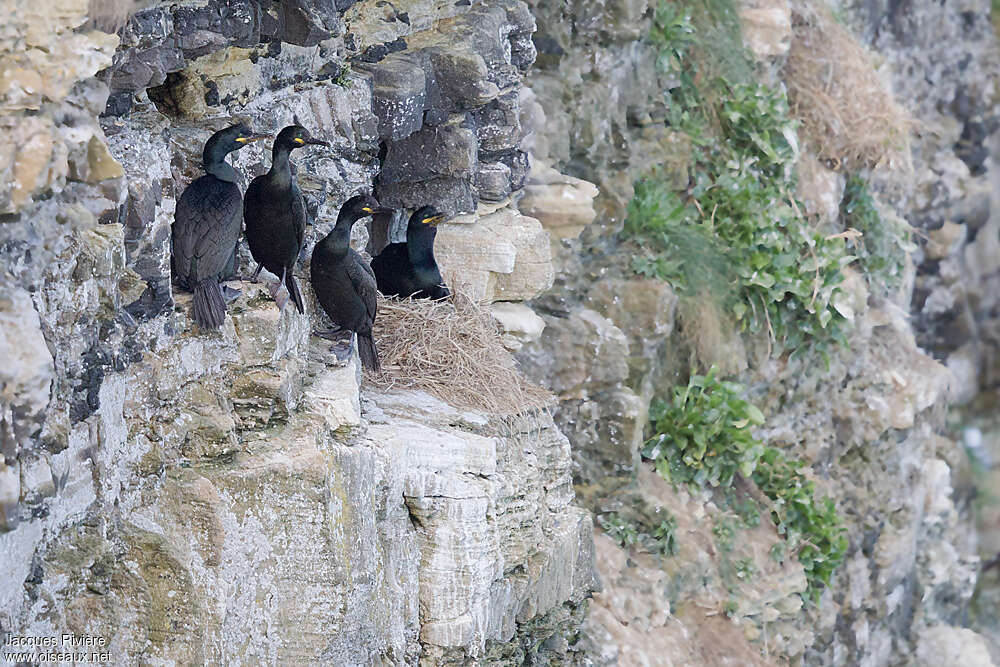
(882, 250)
(735, 232)
(702, 437)
(812, 528)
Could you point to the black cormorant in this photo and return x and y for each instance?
(206, 227)
(275, 215)
(405, 269)
(343, 281)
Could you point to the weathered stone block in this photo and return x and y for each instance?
(645, 309)
(26, 373)
(563, 204)
(399, 95)
(446, 151)
(573, 343)
(501, 256)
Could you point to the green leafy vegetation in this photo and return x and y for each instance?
(673, 34)
(745, 568)
(625, 533)
(659, 538)
(724, 530)
(881, 252)
(746, 509)
(664, 535)
(342, 77)
(735, 232)
(703, 437)
(812, 528)
(730, 607)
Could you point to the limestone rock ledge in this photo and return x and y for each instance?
(229, 506)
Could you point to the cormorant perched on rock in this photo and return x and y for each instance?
(405, 269)
(275, 215)
(207, 226)
(344, 283)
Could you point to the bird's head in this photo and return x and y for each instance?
(427, 216)
(296, 136)
(228, 140)
(359, 206)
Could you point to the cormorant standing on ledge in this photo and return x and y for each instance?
(405, 269)
(275, 215)
(207, 226)
(344, 283)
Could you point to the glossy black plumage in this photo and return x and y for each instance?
(207, 225)
(275, 214)
(344, 283)
(405, 269)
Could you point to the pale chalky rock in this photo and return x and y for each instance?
(563, 204)
(221, 497)
(26, 373)
(584, 334)
(644, 309)
(479, 583)
(947, 645)
(518, 322)
(42, 57)
(500, 256)
(820, 189)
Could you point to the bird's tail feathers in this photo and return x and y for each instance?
(293, 291)
(369, 355)
(209, 309)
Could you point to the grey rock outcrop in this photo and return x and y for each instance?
(244, 497)
(608, 133)
(241, 496)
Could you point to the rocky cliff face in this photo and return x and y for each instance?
(243, 496)
(866, 419)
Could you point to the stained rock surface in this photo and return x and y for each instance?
(867, 418)
(242, 496)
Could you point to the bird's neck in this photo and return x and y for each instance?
(281, 167)
(420, 246)
(221, 170)
(339, 239)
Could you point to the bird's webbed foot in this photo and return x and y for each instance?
(256, 274)
(230, 294)
(342, 352)
(333, 333)
(279, 294)
(342, 347)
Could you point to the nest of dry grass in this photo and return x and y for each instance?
(453, 350)
(847, 111)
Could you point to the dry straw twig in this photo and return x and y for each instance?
(848, 113)
(453, 350)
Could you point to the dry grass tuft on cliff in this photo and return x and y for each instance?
(847, 112)
(452, 349)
